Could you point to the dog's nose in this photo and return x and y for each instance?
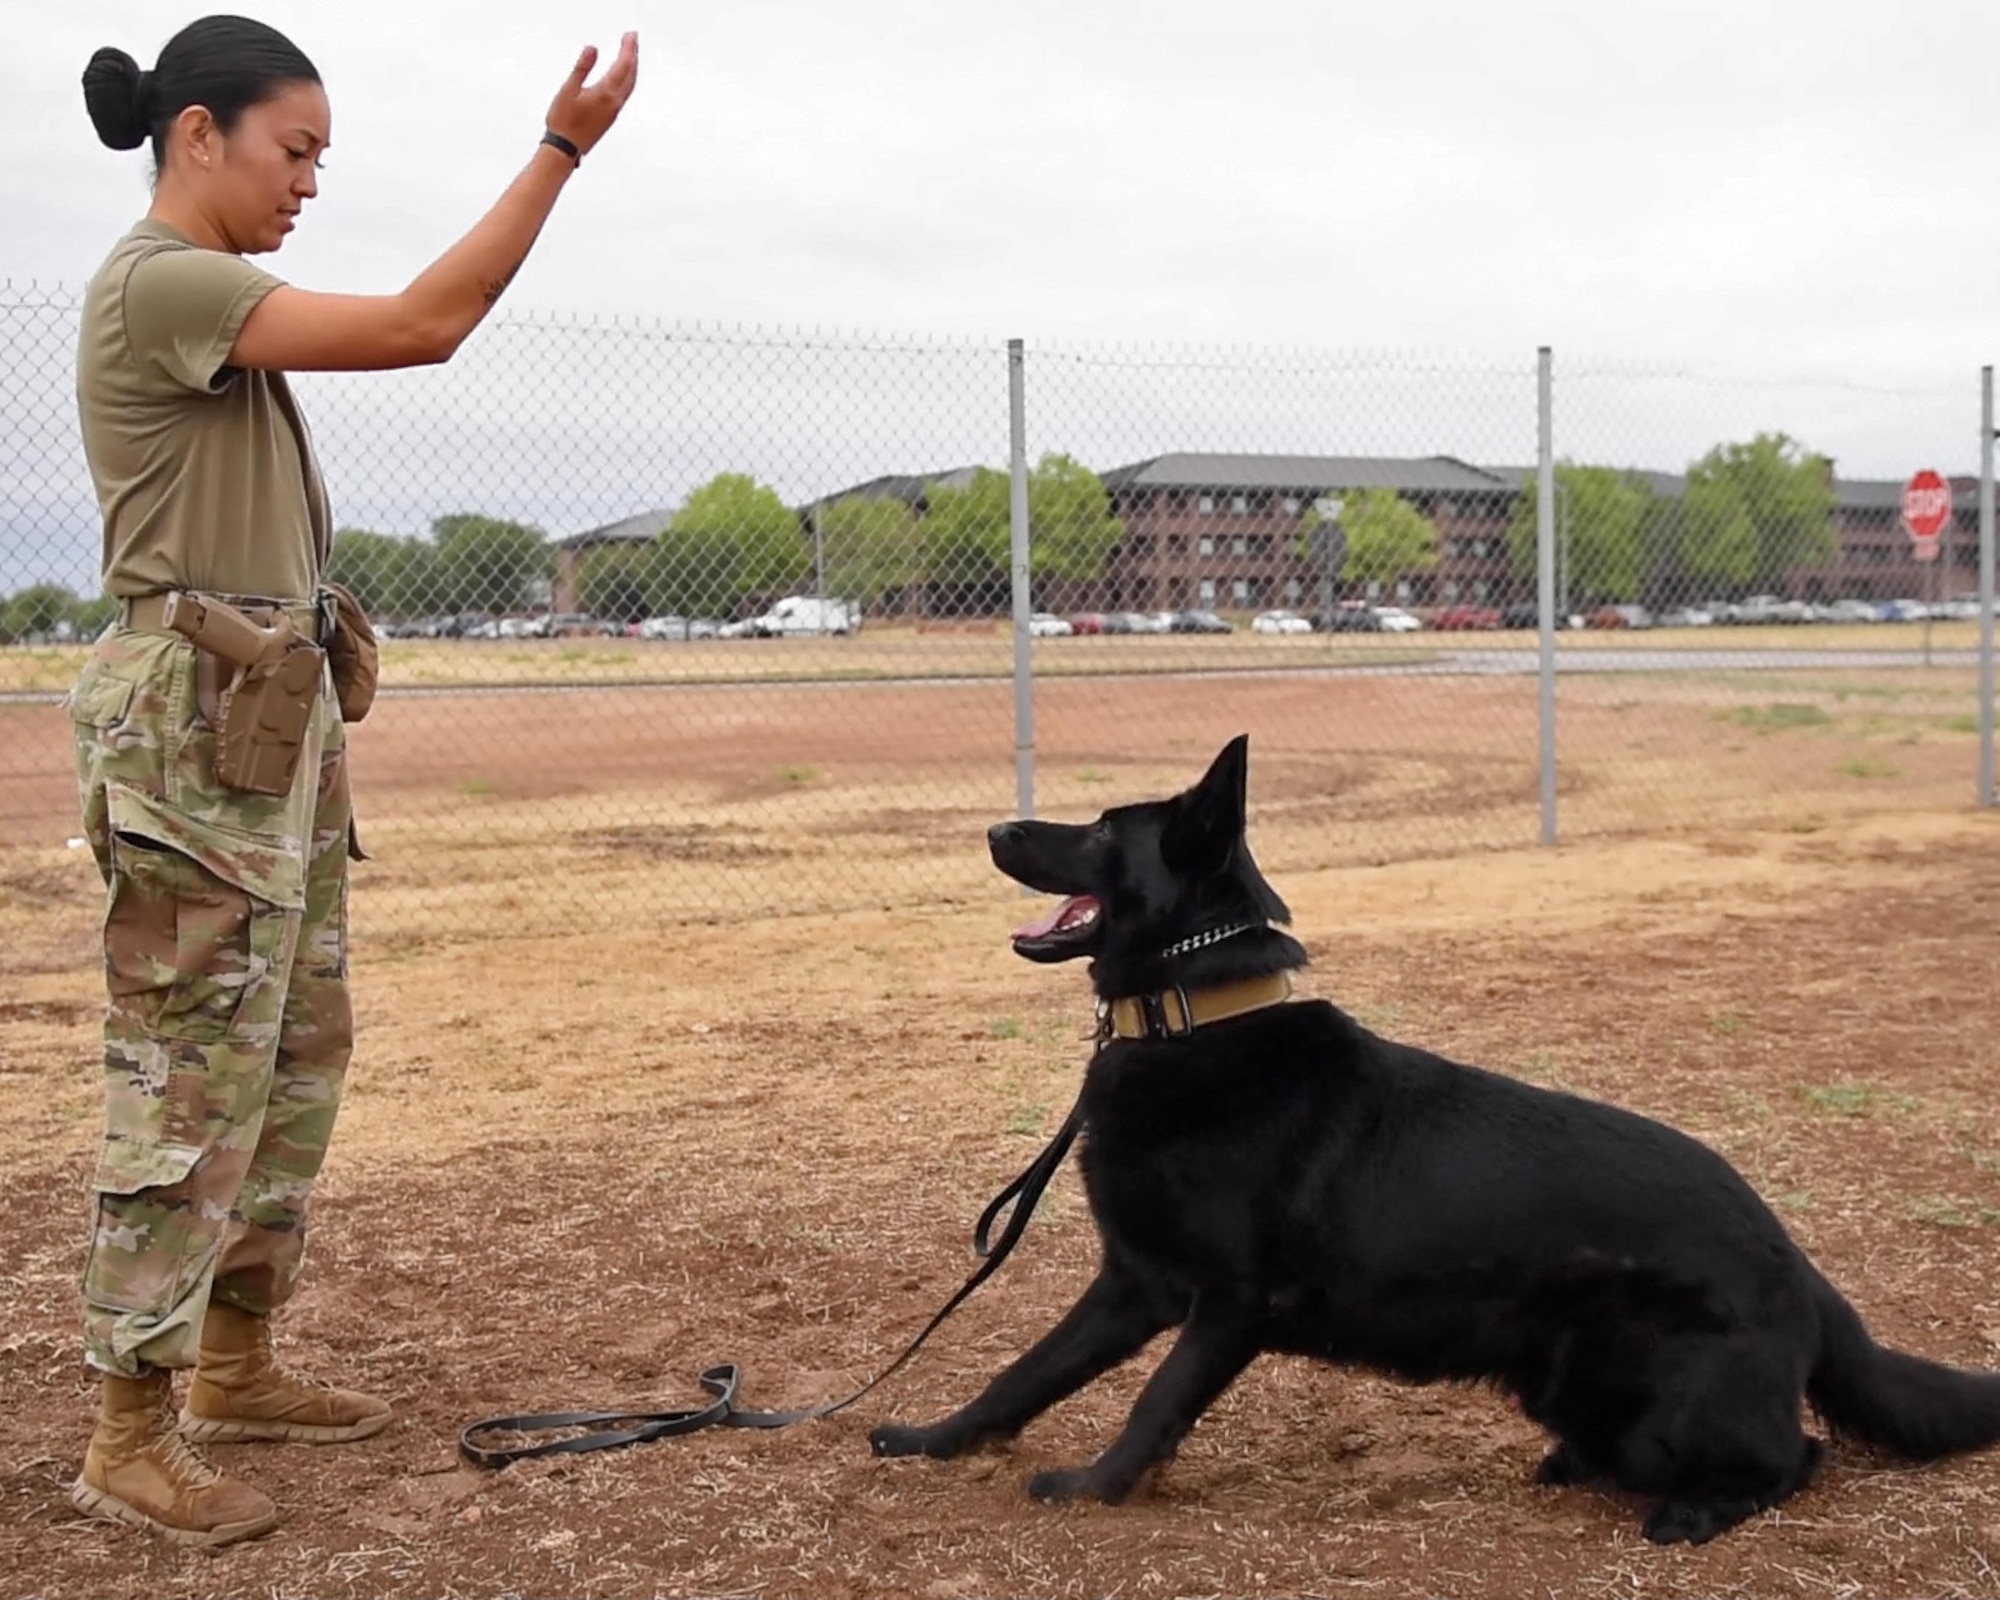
(1003, 832)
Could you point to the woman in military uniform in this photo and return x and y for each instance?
(210, 735)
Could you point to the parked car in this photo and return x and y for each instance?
(1087, 622)
(1620, 617)
(1395, 619)
(1046, 625)
(1198, 622)
(1686, 617)
(805, 614)
(1853, 611)
(562, 625)
(1460, 618)
(1769, 608)
(1279, 622)
(1350, 616)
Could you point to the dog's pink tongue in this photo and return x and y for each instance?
(1043, 926)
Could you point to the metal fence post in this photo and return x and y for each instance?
(1545, 568)
(1986, 586)
(1024, 686)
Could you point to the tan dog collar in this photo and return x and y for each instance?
(1174, 1013)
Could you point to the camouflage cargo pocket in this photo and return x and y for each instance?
(181, 945)
(150, 1139)
(150, 1231)
(100, 700)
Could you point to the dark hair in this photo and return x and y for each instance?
(224, 63)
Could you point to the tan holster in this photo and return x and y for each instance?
(256, 684)
(265, 713)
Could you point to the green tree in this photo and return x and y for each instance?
(388, 574)
(617, 582)
(94, 616)
(488, 563)
(735, 538)
(965, 541)
(36, 610)
(1387, 537)
(1756, 512)
(1069, 514)
(967, 536)
(416, 579)
(1604, 517)
(871, 548)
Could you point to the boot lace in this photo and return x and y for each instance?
(177, 1453)
(275, 1369)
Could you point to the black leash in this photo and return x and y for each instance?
(607, 1430)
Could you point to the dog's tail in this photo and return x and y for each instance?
(1917, 1408)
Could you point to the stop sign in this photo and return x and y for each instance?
(1926, 505)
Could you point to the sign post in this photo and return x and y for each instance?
(1926, 514)
(1326, 544)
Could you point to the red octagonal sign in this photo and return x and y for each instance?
(1926, 505)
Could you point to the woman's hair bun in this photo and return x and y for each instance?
(117, 95)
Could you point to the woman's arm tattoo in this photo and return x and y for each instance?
(498, 286)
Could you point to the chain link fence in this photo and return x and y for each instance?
(683, 622)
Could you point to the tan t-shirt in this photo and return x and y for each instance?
(205, 473)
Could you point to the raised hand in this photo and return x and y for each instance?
(582, 112)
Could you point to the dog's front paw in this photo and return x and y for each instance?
(1076, 1483)
(1686, 1522)
(1054, 1487)
(893, 1439)
(1561, 1466)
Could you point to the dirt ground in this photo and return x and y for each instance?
(699, 1116)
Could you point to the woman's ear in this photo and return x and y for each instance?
(195, 133)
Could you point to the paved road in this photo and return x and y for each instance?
(1642, 660)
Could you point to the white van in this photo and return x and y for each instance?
(799, 613)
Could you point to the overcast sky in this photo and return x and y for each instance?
(1798, 194)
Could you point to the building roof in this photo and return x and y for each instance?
(910, 488)
(641, 529)
(1305, 474)
(1668, 485)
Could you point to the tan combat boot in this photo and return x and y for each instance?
(240, 1393)
(139, 1470)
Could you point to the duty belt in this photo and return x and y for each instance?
(147, 612)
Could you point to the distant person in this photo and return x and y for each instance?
(211, 746)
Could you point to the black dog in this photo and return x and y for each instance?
(1277, 1177)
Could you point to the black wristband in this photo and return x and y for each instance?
(552, 137)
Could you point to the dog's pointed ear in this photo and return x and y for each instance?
(1216, 808)
(1224, 791)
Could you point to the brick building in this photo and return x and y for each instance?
(1223, 531)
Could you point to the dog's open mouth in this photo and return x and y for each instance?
(1063, 931)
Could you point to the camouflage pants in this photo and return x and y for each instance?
(228, 1025)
